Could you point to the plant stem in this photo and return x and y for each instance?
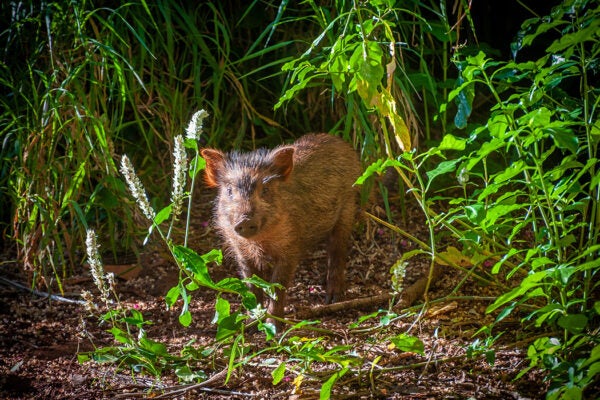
(190, 197)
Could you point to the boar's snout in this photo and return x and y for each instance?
(247, 227)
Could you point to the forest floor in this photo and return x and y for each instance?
(40, 338)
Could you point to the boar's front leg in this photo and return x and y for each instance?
(283, 273)
(248, 268)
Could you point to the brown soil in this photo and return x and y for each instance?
(40, 338)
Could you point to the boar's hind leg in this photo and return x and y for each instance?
(337, 252)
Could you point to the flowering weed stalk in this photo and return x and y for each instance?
(180, 164)
(180, 168)
(127, 325)
(193, 132)
(136, 188)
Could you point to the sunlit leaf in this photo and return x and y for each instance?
(378, 167)
(172, 296)
(451, 142)
(191, 261)
(589, 33)
(408, 343)
(325, 393)
(222, 309)
(185, 318)
(513, 170)
(278, 373)
(163, 214)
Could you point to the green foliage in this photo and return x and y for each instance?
(530, 178)
(60, 85)
(362, 56)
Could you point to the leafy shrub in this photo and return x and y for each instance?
(532, 190)
(530, 184)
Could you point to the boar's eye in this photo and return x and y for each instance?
(229, 191)
(265, 187)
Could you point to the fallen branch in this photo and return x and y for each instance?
(416, 290)
(38, 293)
(173, 391)
(407, 298)
(311, 312)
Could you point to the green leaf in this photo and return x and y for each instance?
(163, 214)
(269, 329)
(589, 33)
(536, 119)
(451, 142)
(484, 150)
(594, 356)
(198, 164)
(120, 335)
(83, 357)
(278, 373)
(185, 318)
(479, 60)
(191, 261)
(506, 312)
(186, 374)
(542, 28)
(510, 253)
(338, 65)
(495, 212)
(378, 167)
(154, 347)
(228, 326)
(74, 184)
(300, 73)
(573, 323)
(328, 385)
(475, 213)
(530, 282)
(498, 126)
(408, 343)
(267, 287)
(367, 61)
(564, 138)
(214, 255)
(232, 284)
(514, 169)
(443, 168)
(190, 143)
(222, 309)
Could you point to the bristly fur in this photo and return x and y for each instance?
(256, 160)
(250, 163)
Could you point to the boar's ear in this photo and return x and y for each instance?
(283, 161)
(214, 164)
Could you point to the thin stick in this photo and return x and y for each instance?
(38, 293)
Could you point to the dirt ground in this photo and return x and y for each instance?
(40, 338)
